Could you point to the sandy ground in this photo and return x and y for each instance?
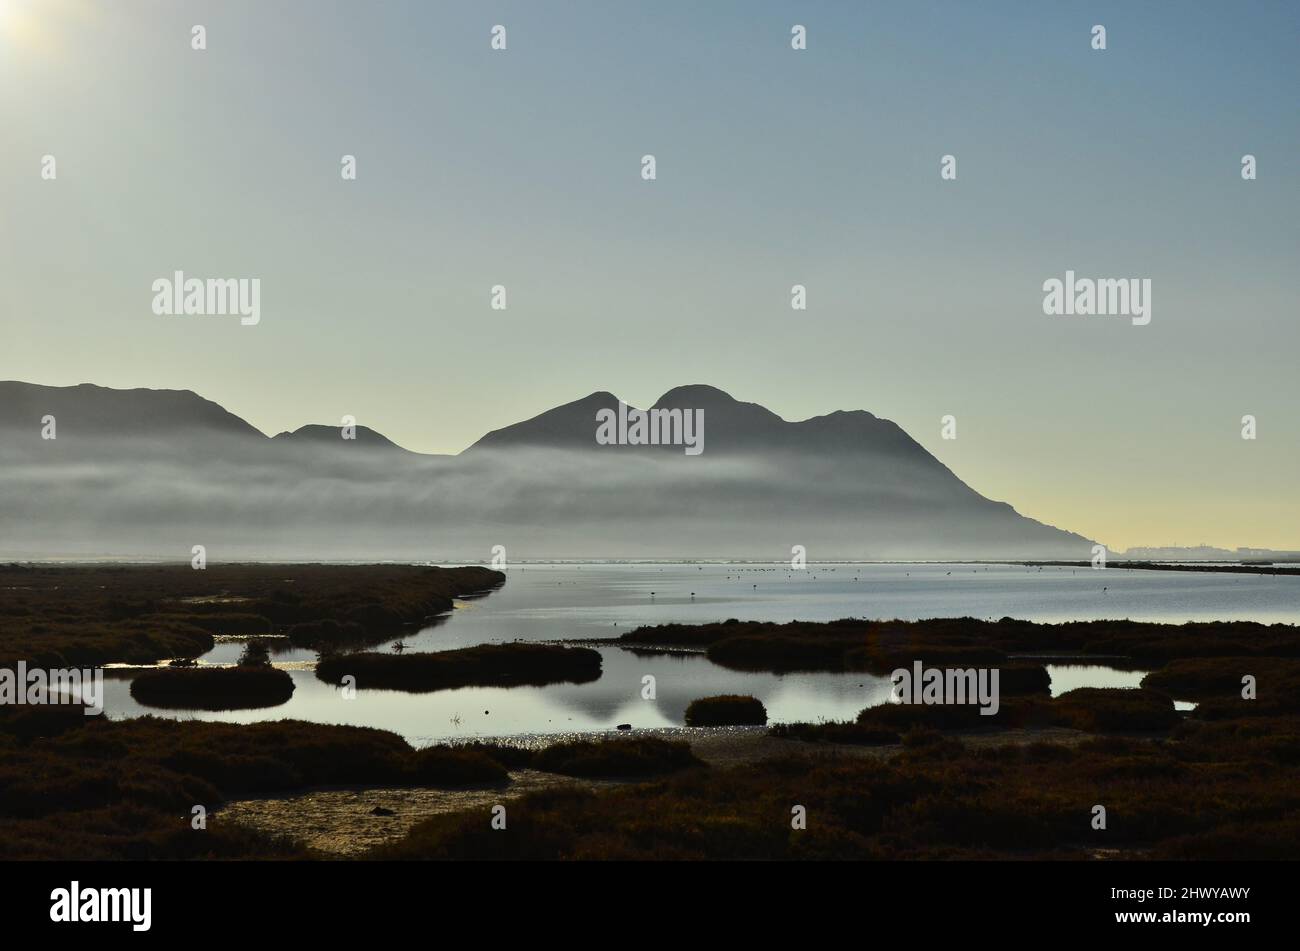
(342, 822)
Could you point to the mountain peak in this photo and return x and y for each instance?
(696, 395)
(597, 400)
(318, 434)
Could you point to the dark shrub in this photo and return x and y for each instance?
(255, 654)
(901, 717)
(1217, 683)
(212, 688)
(854, 733)
(1024, 679)
(511, 757)
(1115, 709)
(454, 766)
(883, 655)
(776, 652)
(726, 710)
(221, 622)
(486, 665)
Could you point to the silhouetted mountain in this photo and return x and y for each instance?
(155, 471)
(89, 410)
(571, 426)
(730, 425)
(317, 435)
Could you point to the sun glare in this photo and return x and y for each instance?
(15, 17)
(25, 25)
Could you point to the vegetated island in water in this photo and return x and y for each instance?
(726, 710)
(212, 688)
(881, 646)
(487, 665)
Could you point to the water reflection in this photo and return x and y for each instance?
(600, 705)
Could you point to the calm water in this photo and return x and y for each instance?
(552, 602)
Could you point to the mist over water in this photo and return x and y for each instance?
(96, 498)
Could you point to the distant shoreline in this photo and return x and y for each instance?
(1248, 569)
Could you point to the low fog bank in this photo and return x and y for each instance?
(242, 500)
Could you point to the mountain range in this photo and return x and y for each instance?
(150, 473)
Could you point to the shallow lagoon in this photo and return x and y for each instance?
(565, 601)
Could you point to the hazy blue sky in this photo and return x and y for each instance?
(775, 167)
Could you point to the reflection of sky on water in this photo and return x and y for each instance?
(601, 705)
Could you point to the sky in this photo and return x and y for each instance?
(522, 167)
